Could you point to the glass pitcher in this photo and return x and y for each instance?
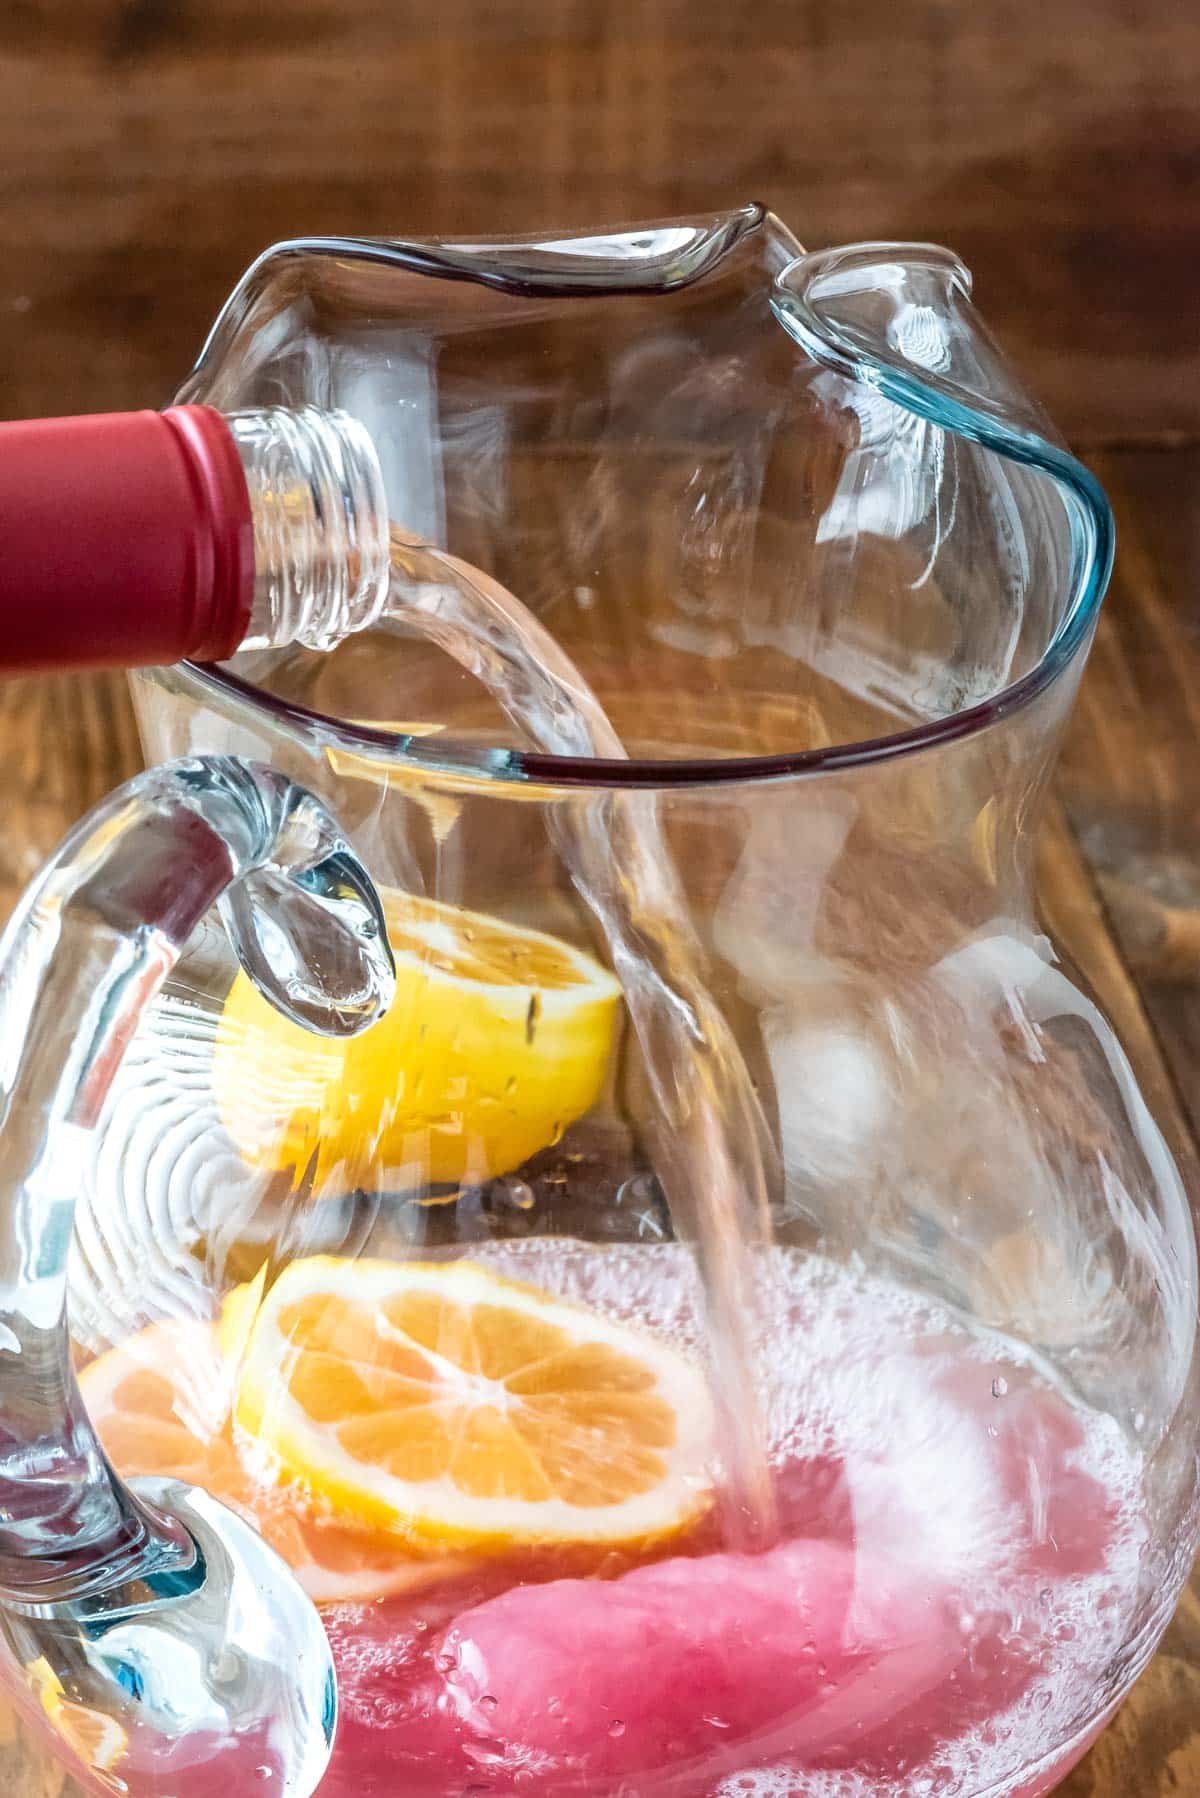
(605, 1252)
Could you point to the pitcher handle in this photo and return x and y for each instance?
(155, 1610)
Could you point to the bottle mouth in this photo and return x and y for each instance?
(321, 550)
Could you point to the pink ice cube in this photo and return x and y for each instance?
(811, 1647)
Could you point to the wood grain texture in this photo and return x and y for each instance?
(1130, 779)
(65, 741)
(152, 147)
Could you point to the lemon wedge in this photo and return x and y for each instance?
(461, 1409)
(497, 1039)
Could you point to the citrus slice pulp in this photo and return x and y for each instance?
(498, 1037)
(97, 1741)
(160, 1402)
(460, 1408)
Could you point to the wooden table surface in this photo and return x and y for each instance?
(148, 148)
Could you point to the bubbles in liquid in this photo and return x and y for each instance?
(877, 1403)
(510, 1193)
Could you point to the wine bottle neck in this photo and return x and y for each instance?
(320, 522)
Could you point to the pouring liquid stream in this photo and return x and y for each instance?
(711, 1146)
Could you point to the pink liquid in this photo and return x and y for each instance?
(958, 1569)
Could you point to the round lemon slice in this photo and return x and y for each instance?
(161, 1403)
(497, 1039)
(460, 1408)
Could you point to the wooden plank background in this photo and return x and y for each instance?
(149, 148)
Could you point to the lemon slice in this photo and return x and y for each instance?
(161, 1402)
(96, 1740)
(235, 1320)
(497, 1039)
(457, 1407)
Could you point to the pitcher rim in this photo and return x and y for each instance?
(437, 755)
(943, 402)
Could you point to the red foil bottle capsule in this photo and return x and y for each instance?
(139, 538)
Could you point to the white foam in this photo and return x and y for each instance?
(852, 1369)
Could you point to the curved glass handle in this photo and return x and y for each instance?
(157, 1611)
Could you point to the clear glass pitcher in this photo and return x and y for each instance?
(610, 1254)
